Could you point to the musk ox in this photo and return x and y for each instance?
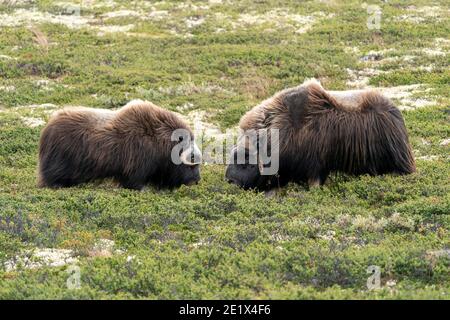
(355, 132)
(134, 145)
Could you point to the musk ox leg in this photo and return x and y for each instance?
(55, 175)
(55, 183)
(62, 184)
(131, 183)
(314, 182)
(317, 180)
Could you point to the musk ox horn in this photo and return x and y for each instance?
(191, 156)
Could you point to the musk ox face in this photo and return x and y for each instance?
(133, 145)
(354, 132)
(253, 164)
(185, 159)
(181, 174)
(246, 174)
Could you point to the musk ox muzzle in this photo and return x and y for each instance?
(132, 145)
(354, 132)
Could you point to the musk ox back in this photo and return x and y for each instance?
(133, 145)
(355, 132)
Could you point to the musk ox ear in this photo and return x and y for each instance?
(296, 102)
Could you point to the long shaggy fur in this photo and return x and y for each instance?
(356, 132)
(131, 145)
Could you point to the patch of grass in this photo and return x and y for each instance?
(214, 240)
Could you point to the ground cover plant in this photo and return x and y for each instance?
(211, 61)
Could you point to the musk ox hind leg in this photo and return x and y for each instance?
(57, 162)
(53, 177)
(54, 171)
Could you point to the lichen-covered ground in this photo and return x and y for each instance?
(211, 61)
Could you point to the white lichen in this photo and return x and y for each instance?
(41, 257)
(32, 122)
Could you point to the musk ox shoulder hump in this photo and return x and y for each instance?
(88, 118)
(350, 100)
(147, 118)
(289, 106)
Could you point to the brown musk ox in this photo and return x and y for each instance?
(355, 132)
(133, 145)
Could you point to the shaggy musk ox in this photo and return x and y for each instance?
(356, 132)
(133, 145)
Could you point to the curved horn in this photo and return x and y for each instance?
(191, 156)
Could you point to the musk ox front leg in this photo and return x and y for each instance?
(317, 180)
(136, 179)
(314, 182)
(132, 183)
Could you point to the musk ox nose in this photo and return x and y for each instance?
(191, 182)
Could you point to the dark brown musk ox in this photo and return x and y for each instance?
(133, 145)
(355, 132)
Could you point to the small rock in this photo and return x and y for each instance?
(428, 158)
(7, 88)
(42, 257)
(433, 256)
(329, 235)
(102, 248)
(374, 56)
(33, 122)
(439, 253)
(391, 283)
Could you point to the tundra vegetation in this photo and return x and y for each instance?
(211, 61)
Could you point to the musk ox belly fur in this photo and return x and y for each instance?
(355, 132)
(132, 145)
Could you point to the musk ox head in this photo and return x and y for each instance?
(185, 159)
(254, 160)
(133, 145)
(319, 131)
